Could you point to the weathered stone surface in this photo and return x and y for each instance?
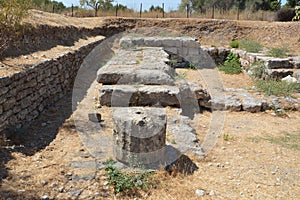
(139, 95)
(296, 62)
(276, 63)
(185, 137)
(233, 103)
(251, 104)
(289, 79)
(296, 75)
(139, 134)
(279, 73)
(24, 93)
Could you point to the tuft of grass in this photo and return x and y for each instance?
(251, 46)
(227, 137)
(289, 141)
(299, 40)
(277, 87)
(232, 64)
(280, 52)
(124, 182)
(234, 44)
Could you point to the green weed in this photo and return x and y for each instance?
(280, 52)
(277, 87)
(232, 64)
(234, 44)
(250, 46)
(124, 182)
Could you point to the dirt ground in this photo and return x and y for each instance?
(257, 155)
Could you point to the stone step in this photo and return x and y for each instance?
(139, 95)
(131, 76)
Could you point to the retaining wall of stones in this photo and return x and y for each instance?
(24, 95)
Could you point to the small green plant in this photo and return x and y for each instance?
(258, 70)
(277, 87)
(280, 52)
(189, 65)
(234, 44)
(180, 76)
(227, 137)
(127, 182)
(232, 64)
(299, 40)
(250, 46)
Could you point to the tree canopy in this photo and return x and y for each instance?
(254, 5)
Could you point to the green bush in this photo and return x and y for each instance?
(280, 52)
(125, 182)
(232, 64)
(250, 46)
(234, 44)
(277, 88)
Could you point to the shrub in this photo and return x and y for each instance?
(280, 52)
(11, 14)
(234, 44)
(125, 182)
(232, 64)
(285, 14)
(250, 46)
(277, 87)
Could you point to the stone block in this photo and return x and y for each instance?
(139, 134)
(276, 63)
(137, 95)
(251, 104)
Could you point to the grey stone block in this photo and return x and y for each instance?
(139, 133)
(251, 104)
(276, 63)
(138, 95)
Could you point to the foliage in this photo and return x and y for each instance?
(48, 5)
(232, 64)
(201, 6)
(277, 87)
(250, 46)
(280, 52)
(11, 14)
(156, 9)
(97, 5)
(285, 14)
(258, 70)
(125, 182)
(297, 12)
(234, 44)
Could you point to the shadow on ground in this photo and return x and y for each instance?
(35, 136)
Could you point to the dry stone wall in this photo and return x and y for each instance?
(24, 95)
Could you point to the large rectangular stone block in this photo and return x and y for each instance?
(139, 95)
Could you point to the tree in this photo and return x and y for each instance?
(156, 9)
(292, 3)
(98, 4)
(11, 14)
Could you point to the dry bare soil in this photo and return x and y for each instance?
(257, 156)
